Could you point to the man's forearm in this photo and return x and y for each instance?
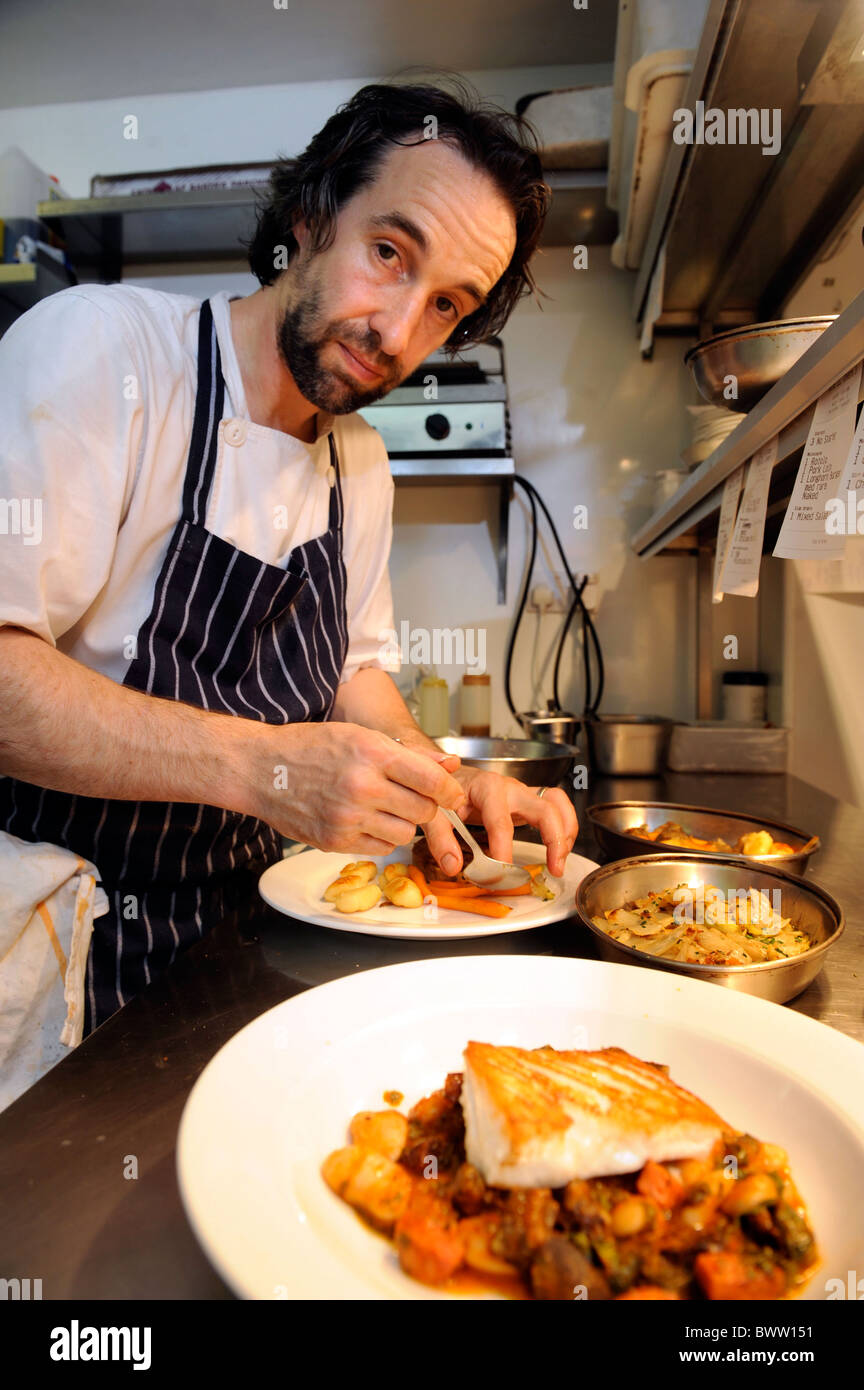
(372, 699)
(70, 729)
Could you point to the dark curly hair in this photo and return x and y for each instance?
(345, 156)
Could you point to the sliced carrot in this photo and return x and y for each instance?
(510, 892)
(479, 905)
(532, 869)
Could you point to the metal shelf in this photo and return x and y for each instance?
(451, 469)
(23, 284)
(104, 234)
(786, 411)
(742, 228)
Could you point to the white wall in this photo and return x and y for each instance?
(75, 140)
(591, 423)
(824, 667)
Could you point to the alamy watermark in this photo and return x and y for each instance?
(712, 906)
(845, 517)
(436, 646)
(21, 516)
(738, 126)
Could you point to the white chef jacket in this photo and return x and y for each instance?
(97, 396)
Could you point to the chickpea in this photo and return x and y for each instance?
(629, 1217)
(750, 1193)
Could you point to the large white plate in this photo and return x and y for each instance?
(296, 886)
(277, 1098)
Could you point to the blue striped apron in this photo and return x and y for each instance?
(225, 632)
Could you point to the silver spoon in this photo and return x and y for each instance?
(483, 870)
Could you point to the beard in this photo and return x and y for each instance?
(302, 337)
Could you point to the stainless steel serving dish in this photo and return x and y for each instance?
(757, 355)
(610, 821)
(808, 906)
(532, 761)
(628, 745)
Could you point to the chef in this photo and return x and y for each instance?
(191, 658)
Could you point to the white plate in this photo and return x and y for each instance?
(296, 886)
(277, 1099)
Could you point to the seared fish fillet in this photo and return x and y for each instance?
(538, 1117)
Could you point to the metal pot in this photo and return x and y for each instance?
(555, 726)
(628, 745)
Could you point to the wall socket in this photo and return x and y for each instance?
(551, 593)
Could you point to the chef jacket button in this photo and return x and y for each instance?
(235, 432)
(331, 476)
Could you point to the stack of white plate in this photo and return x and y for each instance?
(710, 424)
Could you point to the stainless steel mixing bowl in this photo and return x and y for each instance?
(611, 820)
(757, 355)
(531, 761)
(809, 907)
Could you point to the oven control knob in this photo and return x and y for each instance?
(437, 426)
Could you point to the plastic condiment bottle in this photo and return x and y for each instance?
(434, 717)
(475, 706)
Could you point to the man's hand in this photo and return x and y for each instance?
(340, 786)
(500, 803)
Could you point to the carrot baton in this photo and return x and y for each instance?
(416, 875)
(481, 906)
(465, 890)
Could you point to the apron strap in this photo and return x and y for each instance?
(203, 447)
(334, 519)
(209, 403)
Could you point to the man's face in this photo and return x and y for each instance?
(414, 252)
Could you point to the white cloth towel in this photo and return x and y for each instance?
(48, 899)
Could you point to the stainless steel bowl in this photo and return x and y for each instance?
(757, 355)
(531, 761)
(809, 907)
(628, 745)
(611, 820)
